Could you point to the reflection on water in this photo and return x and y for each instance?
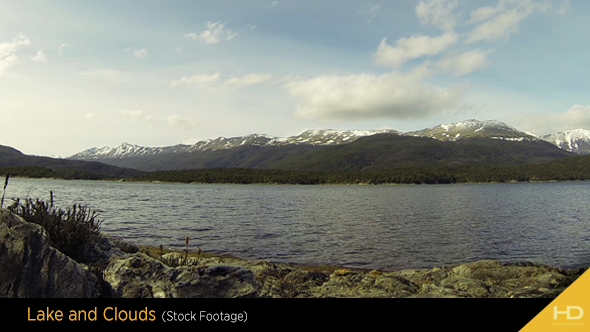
(381, 227)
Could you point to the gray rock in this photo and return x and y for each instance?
(124, 246)
(31, 268)
(142, 276)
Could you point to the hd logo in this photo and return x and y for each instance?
(568, 312)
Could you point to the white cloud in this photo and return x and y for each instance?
(90, 115)
(578, 116)
(196, 79)
(178, 121)
(366, 96)
(211, 80)
(40, 57)
(140, 53)
(214, 34)
(274, 3)
(8, 52)
(373, 11)
(61, 48)
(564, 7)
(437, 12)
(246, 80)
(413, 47)
(465, 63)
(501, 21)
(484, 13)
(170, 120)
(136, 115)
(104, 74)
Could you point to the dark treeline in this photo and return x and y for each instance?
(56, 173)
(564, 169)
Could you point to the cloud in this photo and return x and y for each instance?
(40, 57)
(178, 121)
(411, 48)
(578, 116)
(61, 48)
(465, 63)
(373, 11)
(171, 120)
(140, 53)
(366, 96)
(8, 52)
(214, 34)
(564, 7)
(501, 21)
(104, 74)
(196, 79)
(211, 80)
(90, 115)
(246, 80)
(136, 115)
(437, 12)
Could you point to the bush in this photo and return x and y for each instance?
(74, 231)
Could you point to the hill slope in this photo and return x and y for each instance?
(377, 152)
(14, 161)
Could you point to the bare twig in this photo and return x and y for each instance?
(4, 190)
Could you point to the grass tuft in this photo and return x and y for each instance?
(74, 231)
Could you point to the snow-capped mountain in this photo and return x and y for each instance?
(310, 137)
(329, 136)
(474, 128)
(126, 150)
(576, 141)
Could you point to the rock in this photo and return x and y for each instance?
(395, 285)
(466, 287)
(31, 268)
(125, 247)
(142, 276)
(281, 280)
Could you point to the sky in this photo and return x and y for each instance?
(80, 74)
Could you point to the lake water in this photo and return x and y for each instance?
(375, 227)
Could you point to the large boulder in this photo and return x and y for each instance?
(31, 268)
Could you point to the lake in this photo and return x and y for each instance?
(387, 227)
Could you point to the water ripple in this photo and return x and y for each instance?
(386, 227)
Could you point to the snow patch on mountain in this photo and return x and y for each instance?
(576, 141)
(474, 128)
(310, 137)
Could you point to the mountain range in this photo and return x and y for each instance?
(460, 143)
(576, 141)
(308, 137)
(463, 143)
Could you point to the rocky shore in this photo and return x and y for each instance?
(31, 268)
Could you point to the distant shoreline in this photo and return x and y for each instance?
(559, 170)
(294, 184)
